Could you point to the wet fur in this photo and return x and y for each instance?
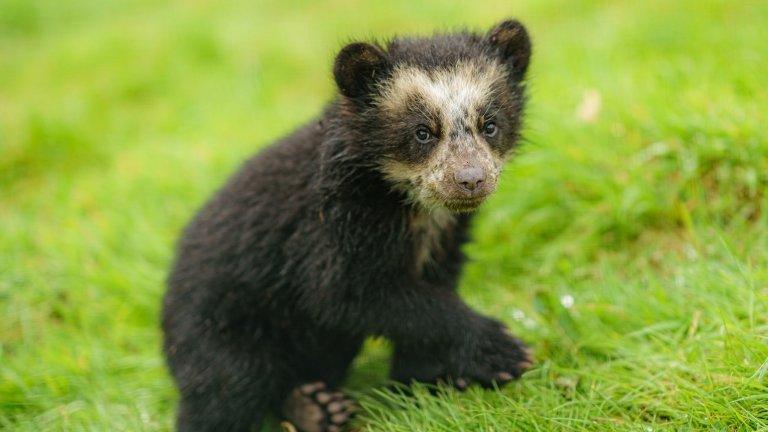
(313, 246)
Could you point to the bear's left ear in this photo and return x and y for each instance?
(357, 69)
(510, 38)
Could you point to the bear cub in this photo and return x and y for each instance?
(350, 227)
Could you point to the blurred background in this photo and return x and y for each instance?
(627, 244)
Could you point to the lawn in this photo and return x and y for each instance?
(628, 243)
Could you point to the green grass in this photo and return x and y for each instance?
(630, 250)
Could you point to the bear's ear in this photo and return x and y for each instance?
(510, 39)
(358, 67)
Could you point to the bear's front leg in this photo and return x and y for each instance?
(436, 335)
(486, 354)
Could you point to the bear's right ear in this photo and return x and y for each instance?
(358, 67)
(511, 40)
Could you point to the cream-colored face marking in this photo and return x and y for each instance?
(458, 96)
(456, 93)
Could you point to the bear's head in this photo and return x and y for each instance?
(439, 115)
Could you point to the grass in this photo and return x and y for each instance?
(628, 245)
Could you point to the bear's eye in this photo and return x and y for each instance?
(490, 129)
(423, 135)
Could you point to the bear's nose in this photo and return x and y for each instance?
(469, 179)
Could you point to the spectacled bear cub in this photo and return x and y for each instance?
(351, 227)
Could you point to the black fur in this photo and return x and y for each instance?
(307, 251)
(358, 67)
(514, 45)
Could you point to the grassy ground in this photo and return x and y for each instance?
(628, 245)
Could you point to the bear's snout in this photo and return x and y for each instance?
(470, 181)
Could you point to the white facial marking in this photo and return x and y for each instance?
(455, 93)
(458, 95)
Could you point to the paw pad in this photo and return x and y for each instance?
(314, 408)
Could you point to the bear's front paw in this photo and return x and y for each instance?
(493, 357)
(314, 408)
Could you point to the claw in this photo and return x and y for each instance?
(461, 384)
(339, 418)
(310, 388)
(528, 354)
(323, 398)
(335, 407)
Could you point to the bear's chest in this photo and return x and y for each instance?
(428, 231)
